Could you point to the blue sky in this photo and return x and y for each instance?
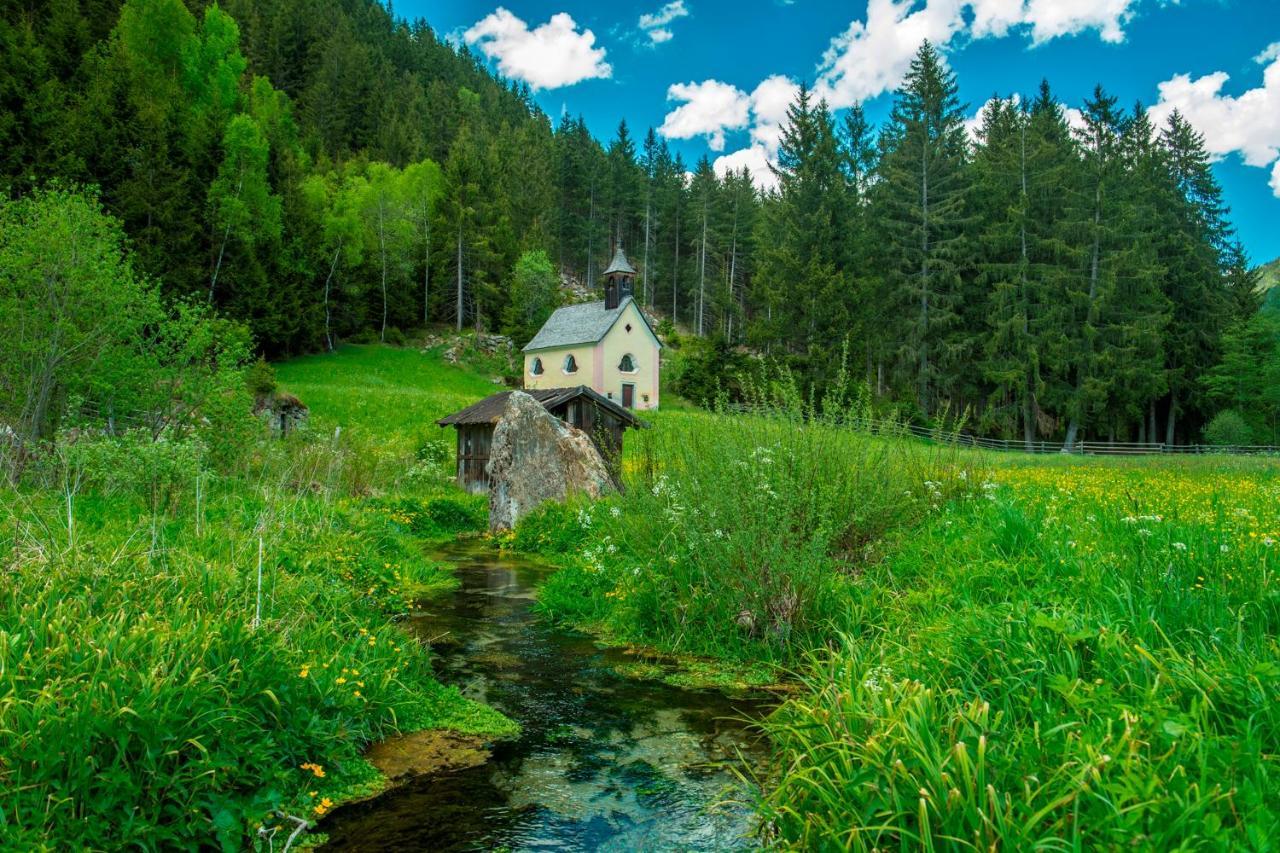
(715, 75)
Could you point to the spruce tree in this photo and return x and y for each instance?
(921, 207)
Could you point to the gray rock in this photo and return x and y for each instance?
(536, 457)
(283, 413)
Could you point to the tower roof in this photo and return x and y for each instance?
(620, 263)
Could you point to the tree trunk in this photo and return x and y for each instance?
(675, 270)
(648, 205)
(382, 248)
(1087, 344)
(1028, 392)
(1173, 415)
(426, 267)
(328, 333)
(702, 269)
(924, 278)
(226, 235)
(460, 309)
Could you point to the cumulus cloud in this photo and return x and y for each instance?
(1050, 19)
(872, 57)
(710, 108)
(755, 159)
(549, 56)
(656, 25)
(1247, 124)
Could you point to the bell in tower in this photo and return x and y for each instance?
(619, 279)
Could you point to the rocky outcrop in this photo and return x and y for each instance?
(283, 413)
(536, 457)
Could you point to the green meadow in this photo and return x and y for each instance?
(978, 651)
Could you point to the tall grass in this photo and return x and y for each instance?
(1087, 660)
(739, 535)
(157, 690)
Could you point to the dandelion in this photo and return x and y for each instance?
(316, 769)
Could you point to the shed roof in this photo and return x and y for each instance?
(490, 409)
(572, 325)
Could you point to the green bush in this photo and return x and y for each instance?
(161, 470)
(260, 379)
(553, 529)
(1228, 428)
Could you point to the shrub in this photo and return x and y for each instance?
(1228, 428)
(159, 470)
(260, 379)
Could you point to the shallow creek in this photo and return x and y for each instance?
(604, 762)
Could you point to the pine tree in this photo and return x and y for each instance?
(920, 202)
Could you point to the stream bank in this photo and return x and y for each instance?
(603, 761)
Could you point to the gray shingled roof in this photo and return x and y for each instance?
(620, 263)
(576, 324)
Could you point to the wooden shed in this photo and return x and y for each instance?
(599, 417)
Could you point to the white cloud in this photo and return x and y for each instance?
(754, 159)
(710, 108)
(1050, 19)
(769, 104)
(1269, 53)
(973, 124)
(552, 55)
(656, 24)
(1075, 118)
(1248, 124)
(872, 57)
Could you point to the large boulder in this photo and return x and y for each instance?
(537, 457)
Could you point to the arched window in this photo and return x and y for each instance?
(628, 364)
(536, 367)
(570, 364)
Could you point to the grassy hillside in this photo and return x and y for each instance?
(395, 395)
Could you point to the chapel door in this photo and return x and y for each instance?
(628, 396)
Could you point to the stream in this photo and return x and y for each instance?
(603, 762)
